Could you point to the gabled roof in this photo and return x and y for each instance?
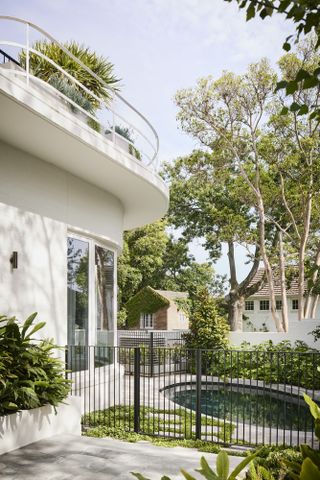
(292, 286)
(171, 295)
(149, 300)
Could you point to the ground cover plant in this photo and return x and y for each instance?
(30, 376)
(118, 422)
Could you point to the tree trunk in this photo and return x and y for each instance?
(302, 254)
(235, 312)
(284, 311)
(267, 265)
(314, 306)
(309, 303)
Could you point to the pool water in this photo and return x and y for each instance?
(263, 408)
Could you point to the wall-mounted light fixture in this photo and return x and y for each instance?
(14, 260)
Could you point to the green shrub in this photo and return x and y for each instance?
(208, 328)
(29, 375)
(273, 459)
(281, 363)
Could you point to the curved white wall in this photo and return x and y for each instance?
(38, 204)
(33, 185)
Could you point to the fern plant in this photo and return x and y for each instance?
(30, 376)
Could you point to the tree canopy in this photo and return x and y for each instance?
(255, 180)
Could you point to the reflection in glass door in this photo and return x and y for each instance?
(78, 296)
(91, 301)
(104, 268)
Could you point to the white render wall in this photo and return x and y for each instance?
(298, 330)
(39, 282)
(39, 203)
(34, 185)
(258, 319)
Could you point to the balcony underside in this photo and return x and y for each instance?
(37, 124)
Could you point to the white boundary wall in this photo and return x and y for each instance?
(298, 330)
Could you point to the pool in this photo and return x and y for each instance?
(243, 405)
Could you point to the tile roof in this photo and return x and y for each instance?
(170, 295)
(292, 286)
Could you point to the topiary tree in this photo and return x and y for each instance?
(208, 328)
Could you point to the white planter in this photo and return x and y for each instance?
(28, 426)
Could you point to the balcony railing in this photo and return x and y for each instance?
(109, 119)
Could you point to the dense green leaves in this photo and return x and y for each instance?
(305, 15)
(152, 257)
(208, 328)
(30, 376)
(103, 68)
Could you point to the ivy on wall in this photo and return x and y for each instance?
(146, 300)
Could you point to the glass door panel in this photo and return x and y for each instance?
(104, 267)
(78, 296)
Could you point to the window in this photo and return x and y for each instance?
(264, 304)
(295, 304)
(147, 320)
(249, 305)
(279, 304)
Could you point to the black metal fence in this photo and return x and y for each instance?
(232, 397)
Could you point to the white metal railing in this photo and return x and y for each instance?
(143, 147)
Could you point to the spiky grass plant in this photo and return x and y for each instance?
(102, 67)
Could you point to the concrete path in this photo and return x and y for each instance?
(67, 457)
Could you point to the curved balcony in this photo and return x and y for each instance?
(124, 164)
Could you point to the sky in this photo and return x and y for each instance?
(159, 47)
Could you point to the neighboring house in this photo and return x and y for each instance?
(67, 193)
(257, 313)
(153, 309)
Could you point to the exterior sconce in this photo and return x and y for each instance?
(14, 260)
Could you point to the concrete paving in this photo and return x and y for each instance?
(67, 457)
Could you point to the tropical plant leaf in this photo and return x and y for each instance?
(28, 323)
(222, 465)
(309, 471)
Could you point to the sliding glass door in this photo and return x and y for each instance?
(91, 300)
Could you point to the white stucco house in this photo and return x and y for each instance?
(257, 314)
(67, 193)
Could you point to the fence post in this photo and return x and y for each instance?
(198, 393)
(136, 392)
(151, 354)
(66, 362)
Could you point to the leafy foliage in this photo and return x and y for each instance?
(152, 257)
(208, 328)
(102, 67)
(271, 463)
(146, 300)
(127, 134)
(281, 363)
(305, 14)
(29, 374)
(152, 421)
(222, 469)
(309, 468)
